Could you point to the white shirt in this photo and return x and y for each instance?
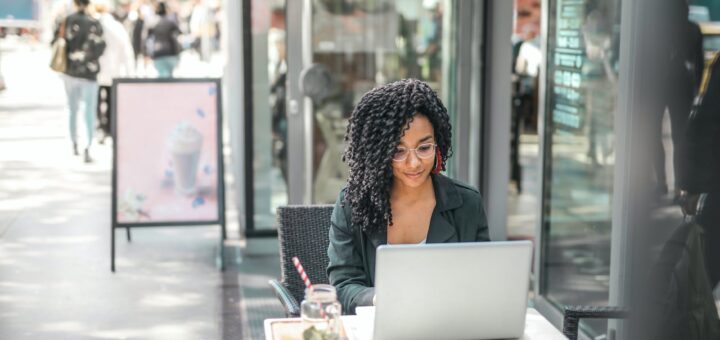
(118, 59)
(421, 242)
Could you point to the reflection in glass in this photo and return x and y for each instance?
(363, 44)
(269, 116)
(523, 194)
(582, 66)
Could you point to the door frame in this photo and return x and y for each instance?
(300, 133)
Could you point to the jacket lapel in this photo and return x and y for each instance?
(440, 229)
(377, 239)
(446, 198)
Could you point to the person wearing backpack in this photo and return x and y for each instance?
(702, 189)
(682, 305)
(84, 46)
(162, 43)
(689, 268)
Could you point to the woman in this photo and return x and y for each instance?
(85, 45)
(398, 141)
(163, 43)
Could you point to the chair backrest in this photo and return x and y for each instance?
(303, 232)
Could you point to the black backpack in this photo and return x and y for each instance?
(684, 300)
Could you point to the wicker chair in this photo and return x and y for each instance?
(573, 314)
(302, 232)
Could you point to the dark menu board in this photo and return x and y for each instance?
(567, 53)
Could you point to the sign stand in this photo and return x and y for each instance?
(167, 156)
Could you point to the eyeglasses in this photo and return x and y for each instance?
(423, 151)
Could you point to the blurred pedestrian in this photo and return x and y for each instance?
(162, 44)
(85, 45)
(681, 58)
(140, 18)
(203, 28)
(117, 61)
(2, 80)
(701, 190)
(138, 25)
(688, 271)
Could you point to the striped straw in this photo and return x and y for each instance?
(305, 279)
(301, 271)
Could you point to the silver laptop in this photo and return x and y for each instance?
(452, 290)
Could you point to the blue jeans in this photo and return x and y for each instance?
(165, 66)
(81, 94)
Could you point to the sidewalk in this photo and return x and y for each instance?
(55, 279)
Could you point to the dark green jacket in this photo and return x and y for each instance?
(458, 216)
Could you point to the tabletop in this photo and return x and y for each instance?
(536, 328)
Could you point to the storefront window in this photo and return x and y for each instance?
(581, 92)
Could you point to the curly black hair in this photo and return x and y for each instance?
(376, 126)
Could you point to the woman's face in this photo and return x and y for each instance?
(413, 171)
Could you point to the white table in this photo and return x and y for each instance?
(536, 328)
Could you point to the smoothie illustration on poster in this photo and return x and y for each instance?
(167, 152)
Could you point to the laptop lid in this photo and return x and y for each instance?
(452, 290)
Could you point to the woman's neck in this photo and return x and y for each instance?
(405, 193)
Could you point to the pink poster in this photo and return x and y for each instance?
(166, 163)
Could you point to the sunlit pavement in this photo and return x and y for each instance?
(55, 279)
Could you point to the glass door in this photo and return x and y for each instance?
(579, 157)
